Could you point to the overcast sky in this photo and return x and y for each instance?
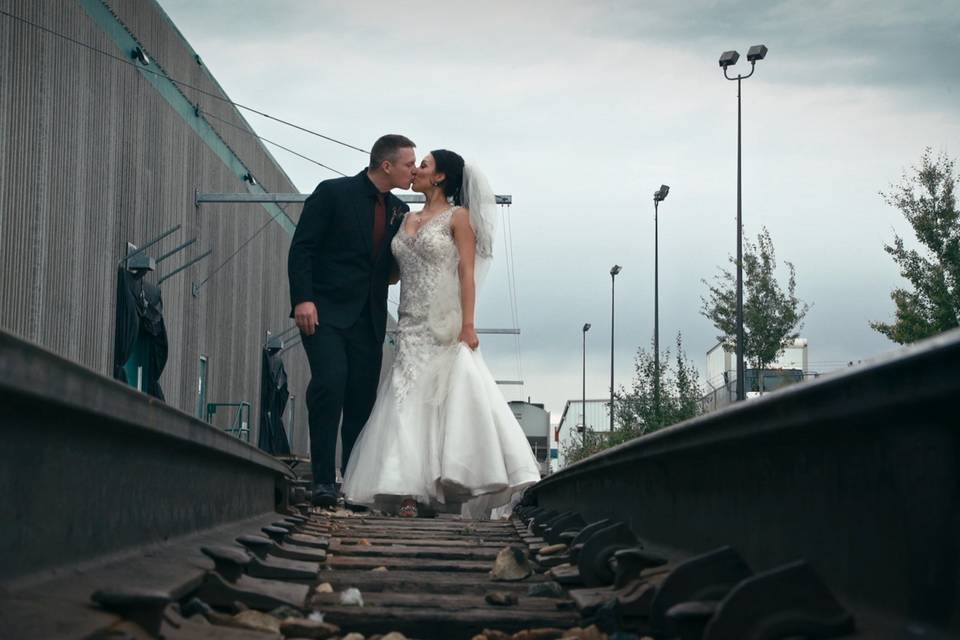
(580, 110)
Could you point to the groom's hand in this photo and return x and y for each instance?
(305, 316)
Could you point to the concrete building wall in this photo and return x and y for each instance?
(93, 156)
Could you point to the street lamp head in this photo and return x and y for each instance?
(728, 59)
(615, 270)
(586, 327)
(661, 194)
(756, 52)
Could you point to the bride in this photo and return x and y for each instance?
(441, 433)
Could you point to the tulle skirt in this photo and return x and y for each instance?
(452, 440)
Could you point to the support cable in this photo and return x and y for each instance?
(238, 250)
(276, 144)
(180, 83)
(511, 283)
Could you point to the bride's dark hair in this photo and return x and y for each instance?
(451, 165)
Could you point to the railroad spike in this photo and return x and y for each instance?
(229, 562)
(256, 593)
(144, 607)
(593, 560)
(628, 564)
(576, 545)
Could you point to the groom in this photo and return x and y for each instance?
(339, 267)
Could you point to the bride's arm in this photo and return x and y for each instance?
(466, 241)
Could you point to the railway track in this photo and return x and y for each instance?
(825, 511)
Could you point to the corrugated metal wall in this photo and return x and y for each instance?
(93, 157)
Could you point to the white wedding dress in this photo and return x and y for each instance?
(440, 430)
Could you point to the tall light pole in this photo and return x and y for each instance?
(658, 196)
(583, 407)
(613, 276)
(728, 59)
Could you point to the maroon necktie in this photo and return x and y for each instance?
(379, 225)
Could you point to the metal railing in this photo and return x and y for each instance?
(240, 422)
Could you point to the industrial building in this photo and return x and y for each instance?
(110, 127)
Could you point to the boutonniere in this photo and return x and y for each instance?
(396, 215)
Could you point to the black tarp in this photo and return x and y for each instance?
(273, 401)
(127, 324)
(139, 316)
(152, 325)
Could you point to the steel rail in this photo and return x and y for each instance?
(92, 466)
(858, 472)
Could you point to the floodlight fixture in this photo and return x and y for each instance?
(728, 59)
(274, 344)
(586, 327)
(757, 52)
(140, 56)
(248, 177)
(615, 270)
(141, 263)
(661, 194)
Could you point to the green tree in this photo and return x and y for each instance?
(680, 394)
(635, 413)
(932, 304)
(581, 446)
(772, 316)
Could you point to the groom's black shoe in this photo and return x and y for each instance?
(356, 508)
(324, 495)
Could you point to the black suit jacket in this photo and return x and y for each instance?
(330, 260)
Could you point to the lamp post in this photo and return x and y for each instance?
(613, 276)
(658, 196)
(728, 59)
(583, 407)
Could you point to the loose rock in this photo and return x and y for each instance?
(394, 635)
(363, 542)
(501, 598)
(352, 597)
(304, 628)
(495, 634)
(353, 636)
(590, 633)
(285, 612)
(257, 620)
(543, 633)
(324, 587)
(545, 590)
(552, 549)
(511, 564)
(194, 606)
(380, 569)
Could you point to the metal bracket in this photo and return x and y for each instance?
(184, 266)
(786, 602)
(284, 198)
(710, 576)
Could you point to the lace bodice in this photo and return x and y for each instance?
(429, 315)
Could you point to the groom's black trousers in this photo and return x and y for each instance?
(344, 370)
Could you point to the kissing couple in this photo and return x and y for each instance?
(432, 431)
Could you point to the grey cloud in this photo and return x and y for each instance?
(824, 42)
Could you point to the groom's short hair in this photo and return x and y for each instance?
(385, 149)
